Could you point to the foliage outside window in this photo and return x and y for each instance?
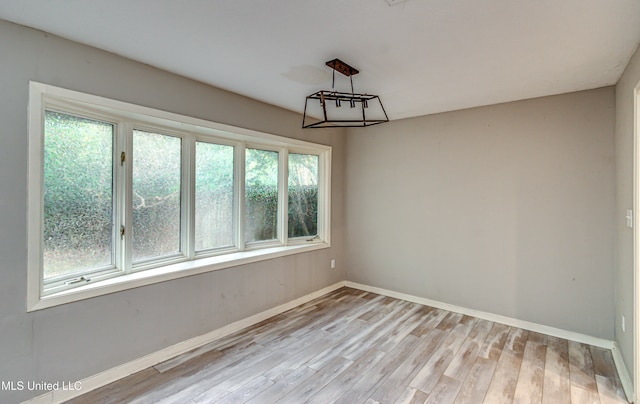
(126, 192)
(261, 195)
(214, 196)
(303, 195)
(156, 195)
(78, 195)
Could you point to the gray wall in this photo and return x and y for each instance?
(73, 341)
(507, 209)
(624, 200)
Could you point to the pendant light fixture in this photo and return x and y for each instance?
(342, 109)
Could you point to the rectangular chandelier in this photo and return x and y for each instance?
(332, 108)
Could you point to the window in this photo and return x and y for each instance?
(78, 196)
(122, 196)
(303, 195)
(156, 196)
(261, 195)
(215, 221)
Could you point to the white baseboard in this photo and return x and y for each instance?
(625, 379)
(136, 365)
(513, 322)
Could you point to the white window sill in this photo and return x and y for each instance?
(169, 272)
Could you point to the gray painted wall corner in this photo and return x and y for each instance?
(624, 276)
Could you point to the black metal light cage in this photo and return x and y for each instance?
(358, 104)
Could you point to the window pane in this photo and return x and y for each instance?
(214, 196)
(78, 194)
(261, 195)
(303, 195)
(156, 195)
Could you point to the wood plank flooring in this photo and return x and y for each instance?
(352, 346)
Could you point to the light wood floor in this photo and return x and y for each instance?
(352, 346)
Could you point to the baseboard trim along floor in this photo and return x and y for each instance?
(137, 365)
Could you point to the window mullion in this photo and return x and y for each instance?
(324, 196)
(188, 232)
(119, 192)
(283, 196)
(126, 198)
(239, 195)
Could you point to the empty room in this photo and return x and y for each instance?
(354, 201)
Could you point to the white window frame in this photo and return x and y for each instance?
(237, 197)
(126, 117)
(282, 193)
(321, 196)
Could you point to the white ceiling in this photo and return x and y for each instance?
(420, 56)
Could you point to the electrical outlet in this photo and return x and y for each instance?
(623, 325)
(333, 264)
